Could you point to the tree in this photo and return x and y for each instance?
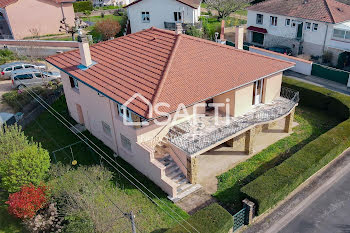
(25, 203)
(226, 7)
(108, 28)
(29, 165)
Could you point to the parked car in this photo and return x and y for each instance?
(33, 77)
(9, 118)
(281, 49)
(6, 69)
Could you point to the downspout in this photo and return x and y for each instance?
(325, 39)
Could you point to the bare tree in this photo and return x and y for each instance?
(108, 28)
(226, 7)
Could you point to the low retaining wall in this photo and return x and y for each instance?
(38, 48)
(301, 66)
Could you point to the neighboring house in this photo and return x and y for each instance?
(163, 14)
(100, 3)
(307, 26)
(28, 18)
(157, 66)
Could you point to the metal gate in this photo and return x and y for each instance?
(239, 219)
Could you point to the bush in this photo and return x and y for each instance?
(108, 28)
(327, 57)
(46, 220)
(83, 6)
(7, 55)
(273, 186)
(25, 203)
(193, 31)
(25, 166)
(213, 218)
(12, 138)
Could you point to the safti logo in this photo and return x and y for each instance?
(219, 111)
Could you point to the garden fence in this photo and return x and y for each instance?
(329, 73)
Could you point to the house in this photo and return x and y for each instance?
(153, 97)
(28, 18)
(307, 26)
(163, 14)
(100, 3)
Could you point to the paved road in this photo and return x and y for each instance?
(330, 213)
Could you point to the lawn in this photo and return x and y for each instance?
(312, 123)
(7, 222)
(98, 18)
(53, 135)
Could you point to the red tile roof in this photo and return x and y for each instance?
(5, 3)
(165, 67)
(329, 11)
(257, 29)
(191, 3)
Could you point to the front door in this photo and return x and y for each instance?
(300, 31)
(258, 38)
(80, 114)
(258, 92)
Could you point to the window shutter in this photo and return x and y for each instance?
(71, 82)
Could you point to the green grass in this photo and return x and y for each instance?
(53, 135)
(241, 12)
(98, 18)
(312, 123)
(66, 38)
(7, 222)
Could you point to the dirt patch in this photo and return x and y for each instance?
(196, 201)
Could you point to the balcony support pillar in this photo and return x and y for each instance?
(289, 122)
(192, 169)
(249, 141)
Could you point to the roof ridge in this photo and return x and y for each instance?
(166, 71)
(230, 47)
(329, 10)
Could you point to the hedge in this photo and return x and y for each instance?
(274, 185)
(213, 218)
(83, 6)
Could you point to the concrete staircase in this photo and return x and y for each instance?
(174, 173)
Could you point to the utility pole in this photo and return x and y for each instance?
(132, 220)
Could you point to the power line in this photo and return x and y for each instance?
(72, 126)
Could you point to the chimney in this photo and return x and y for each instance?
(239, 37)
(84, 50)
(178, 28)
(222, 33)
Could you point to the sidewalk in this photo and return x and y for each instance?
(334, 86)
(302, 197)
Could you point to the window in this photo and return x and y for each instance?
(74, 83)
(23, 76)
(145, 17)
(308, 26)
(125, 142)
(106, 128)
(38, 75)
(259, 19)
(315, 27)
(18, 67)
(347, 35)
(124, 112)
(287, 22)
(28, 66)
(340, 34)
(294, 24)
(8, 69)
(273, 20)
(177, 16)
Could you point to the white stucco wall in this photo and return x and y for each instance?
(316, 37)
(160, 11)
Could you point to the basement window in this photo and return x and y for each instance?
(106, 128)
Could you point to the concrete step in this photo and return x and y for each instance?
(185, 192)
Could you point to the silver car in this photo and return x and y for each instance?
(33, 77)
(6, 69)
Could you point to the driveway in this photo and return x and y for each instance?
(5, 86)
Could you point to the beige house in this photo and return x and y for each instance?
(213, 94)
(28, 18)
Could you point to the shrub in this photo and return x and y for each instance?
(193, 31)
(108, 28)
(213, 218)
(273, 186)
(327, 57)
(12, 138)
(83, 6)
(46, 220)
(25, 166)
(7, 55)
(25, 203)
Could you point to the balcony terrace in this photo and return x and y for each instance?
(203, 132)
